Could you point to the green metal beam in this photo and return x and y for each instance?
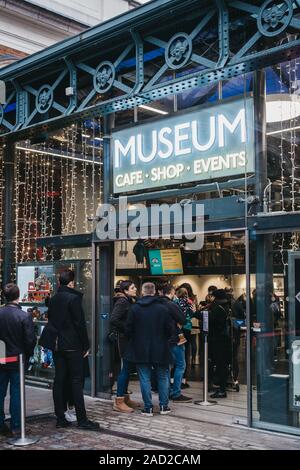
(170, 54)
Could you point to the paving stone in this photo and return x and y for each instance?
(158, 432)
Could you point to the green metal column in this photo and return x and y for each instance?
(108, 124)
(105, 294)
(259, 92)
(106, 280)
(9, 158)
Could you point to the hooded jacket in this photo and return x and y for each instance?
(149, 329)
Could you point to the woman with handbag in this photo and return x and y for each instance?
(123, 300)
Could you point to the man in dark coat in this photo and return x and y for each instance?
(149, 328)
(65, 313)
(219, 339)
(17, 333)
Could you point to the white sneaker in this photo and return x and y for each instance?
(70, 415)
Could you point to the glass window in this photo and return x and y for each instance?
(275, 313)
(38, 283)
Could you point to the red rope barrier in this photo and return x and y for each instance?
(7, 360)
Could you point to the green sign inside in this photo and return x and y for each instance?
(206, 144)
(167, 261)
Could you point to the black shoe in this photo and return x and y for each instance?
(219, 394)
(185, 385)
(89, 425)
(5, 431)
(164, 410)
(62, 423)
(182, 399)
(147, 412)
(236, 386)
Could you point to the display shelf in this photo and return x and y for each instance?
(32, 304)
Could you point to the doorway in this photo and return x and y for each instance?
(220, 263)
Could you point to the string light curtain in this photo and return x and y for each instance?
(287, 186)
(57, 194)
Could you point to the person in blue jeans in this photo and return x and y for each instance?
(12, 377)
(177, 341)
(17, 334)
(162, 374)
(149, 328)
(123, 300)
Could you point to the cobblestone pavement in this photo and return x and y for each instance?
(72, 438)
(131, 432)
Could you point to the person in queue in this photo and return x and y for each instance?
(123, 300)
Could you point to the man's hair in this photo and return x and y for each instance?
(148, 288)
(11, 292)
(66, 277)
(212, 289)
(166, 289)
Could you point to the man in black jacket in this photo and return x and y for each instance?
(17, 333)
(219, 339)
(65, 313)
(149, 327)
(177, 341)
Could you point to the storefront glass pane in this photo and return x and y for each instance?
(275, 332)
(38, 283)
(283, 120)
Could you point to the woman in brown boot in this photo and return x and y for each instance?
(122, 303)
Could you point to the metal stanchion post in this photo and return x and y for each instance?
(23, 440)
(206, 401)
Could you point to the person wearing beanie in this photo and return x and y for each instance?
(219, 339)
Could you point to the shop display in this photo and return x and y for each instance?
(42, 358)
(296, 374)
(36, 283)
(39, 290)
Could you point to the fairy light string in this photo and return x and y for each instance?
(53, 193)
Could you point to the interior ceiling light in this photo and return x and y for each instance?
(154, 110)
(281, 131)
(282, 107)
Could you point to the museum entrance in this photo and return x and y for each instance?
(220, 264)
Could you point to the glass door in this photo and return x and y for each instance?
(102, 350)
(275, 344)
